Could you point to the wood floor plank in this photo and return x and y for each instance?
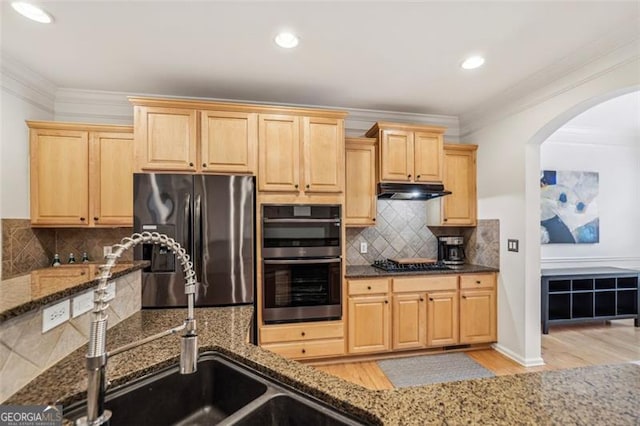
(564, 347)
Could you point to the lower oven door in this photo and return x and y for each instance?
(301, 290)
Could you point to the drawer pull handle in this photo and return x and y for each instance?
(431, 299)
(368, 287)
(303, 351)
(302, 334)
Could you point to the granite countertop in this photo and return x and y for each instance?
(591, 395)
(366, 271)
(43, 286)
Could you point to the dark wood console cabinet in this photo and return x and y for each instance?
(573, 295)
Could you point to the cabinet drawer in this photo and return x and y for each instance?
(477, 281)
(368, 287)
(290, 333)
(312, 349)
(425, 284)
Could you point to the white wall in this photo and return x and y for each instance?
(618, 203)
(508, 189)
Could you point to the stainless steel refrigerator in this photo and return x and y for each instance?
(212, 217)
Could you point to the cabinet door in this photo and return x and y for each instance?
(323, 141)
(59, 162)
(111, 178)
(360, 185)
(165, 138)
(442, 322)
(459, 208)
(229, 141)
(278, 153)
(477, 316)
(369, 325)
(409, 321)
(396, 156)
(427, 153)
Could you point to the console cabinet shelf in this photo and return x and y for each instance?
(589, 294)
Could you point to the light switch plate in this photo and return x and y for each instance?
(82, 304)
(55, 315)
(512, 245)
(363, 247)
(111, 291)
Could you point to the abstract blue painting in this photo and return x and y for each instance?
(569, 207)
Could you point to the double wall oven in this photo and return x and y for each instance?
(301, 263)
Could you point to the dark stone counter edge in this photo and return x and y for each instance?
(45, 300)
(365, 271)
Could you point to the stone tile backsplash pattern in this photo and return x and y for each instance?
(401, 231)
(25, 249)
(25, 352)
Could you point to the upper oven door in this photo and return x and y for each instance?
(310, 233)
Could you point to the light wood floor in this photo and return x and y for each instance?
(564, 347)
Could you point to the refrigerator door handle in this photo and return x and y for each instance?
(186, 227)
(197, 247)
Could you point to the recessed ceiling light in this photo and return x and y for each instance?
(286, 40)
(32, 12)
(472, 62)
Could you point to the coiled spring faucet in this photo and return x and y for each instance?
(97, 355)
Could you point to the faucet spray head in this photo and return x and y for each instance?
(188, 354)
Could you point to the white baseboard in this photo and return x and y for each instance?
(525, 362)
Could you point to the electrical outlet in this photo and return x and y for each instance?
(512, 245)
(111, 291)
(106, 250)
(82, 304)
(55, 315)
(363, 247)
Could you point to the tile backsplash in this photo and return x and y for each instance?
(25, 249)
(401, 231)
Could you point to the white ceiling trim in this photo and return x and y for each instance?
(573, 71)
(114, 107)
(27, 84)
(598, 136)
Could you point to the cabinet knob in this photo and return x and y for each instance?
(82, 273)
(295, 186)
(386, 301)
(431, 299)
(368, 287)
(464, 297)
(191, 164)
(302, 334)
(478, 282)
(444, 220)
(303, 351)
(204, 164)
(82, 219)
(307, 186)
(418, 176)
(409, 176)
(422, 300)
(96, 218)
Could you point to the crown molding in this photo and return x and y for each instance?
(618, 49)
(26, 84)
(79, 105)
(596, 136)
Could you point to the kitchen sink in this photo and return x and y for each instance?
(221, 392)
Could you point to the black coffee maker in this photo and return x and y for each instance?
(451, 250)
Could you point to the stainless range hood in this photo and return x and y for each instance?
(410, 191)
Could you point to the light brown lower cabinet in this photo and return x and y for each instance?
(409, 321)
(369, 324)
(442, 320)
(477, 316)
(306, 340)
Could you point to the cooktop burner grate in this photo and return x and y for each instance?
(391, 266)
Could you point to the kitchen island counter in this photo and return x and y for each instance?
(590, 395)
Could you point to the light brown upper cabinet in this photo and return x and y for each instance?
(300, 153)
(81, 174)
(360, 182)
(409, 153)
(190, 136)
(458, 208)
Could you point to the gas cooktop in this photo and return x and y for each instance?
(392, 266)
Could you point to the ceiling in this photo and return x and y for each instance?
(394, 56)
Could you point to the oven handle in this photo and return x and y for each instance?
(299, 261)
(301, 220)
